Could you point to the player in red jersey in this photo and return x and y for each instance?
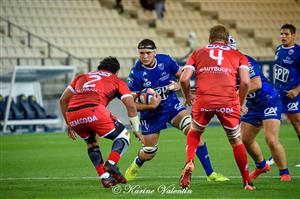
(217, 67)
(83, 105)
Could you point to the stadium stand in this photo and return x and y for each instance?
(83, 28)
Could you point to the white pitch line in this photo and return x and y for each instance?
(142, 177)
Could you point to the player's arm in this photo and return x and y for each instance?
(64, 102)
(255, 84)
(175, 71)
(153, 104)
(244, 83)
(293, 92)
(185, 84)
(129, 103)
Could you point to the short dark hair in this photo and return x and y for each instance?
(291, 27)
(147, 44)
(110, 64)
(219, 32)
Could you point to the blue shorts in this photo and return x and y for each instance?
(156, 121)
(256, 114)
(290, 105)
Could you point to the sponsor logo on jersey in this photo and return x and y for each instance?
(271, 111)
(288, 60)
(281, 73)
(293, 106)
(162, 91)
(146, 83)
(218, 46)
(214, 69)
(221, 110)
(251, 71)
(83, 120)
(164, 76)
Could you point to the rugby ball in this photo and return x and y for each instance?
(146, 95)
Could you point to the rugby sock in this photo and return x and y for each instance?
(96, 158)
(138, 161)
(299, 138)
(283, 171)
(241, 160)
(192, 142)
(99, 169)
(203, 156)
(260, 165)
(113, 157)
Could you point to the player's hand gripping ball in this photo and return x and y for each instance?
(146, 95)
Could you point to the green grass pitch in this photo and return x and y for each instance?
(50, 165)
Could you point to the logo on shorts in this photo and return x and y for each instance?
(83, 120)
(293, 106)
(179, 106)
(221, 110)
(272, 111)
(145, 125)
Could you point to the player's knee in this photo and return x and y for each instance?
(148, 152)
(91, 139)
(185, 123)
(234, 134)
(121, 142)
(272, 141)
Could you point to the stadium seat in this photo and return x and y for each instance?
(23, 102)
(15, 112)
(39, 110)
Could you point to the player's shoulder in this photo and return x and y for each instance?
(237, 53)
(279, 47)
(163, 57)
(137, 66)
(297, 47)
(250, 59)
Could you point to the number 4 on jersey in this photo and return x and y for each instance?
(219, 57)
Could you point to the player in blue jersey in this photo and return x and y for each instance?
(263, 108)
(287, 75)
(157, 71)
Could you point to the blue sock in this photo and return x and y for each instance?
(283, 171)
(203, 156)
(138, 161)
(261, 165)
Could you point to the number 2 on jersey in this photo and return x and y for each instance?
(219, 57)
(88, 84)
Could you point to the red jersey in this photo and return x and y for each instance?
(216, 67)
(97, 87)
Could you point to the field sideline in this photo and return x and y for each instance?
(50, 165)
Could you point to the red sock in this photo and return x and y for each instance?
(100, 169)
(192, 142)
(241, 160)
(114, 156)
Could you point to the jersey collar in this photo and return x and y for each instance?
(288, 47)
(152, 67)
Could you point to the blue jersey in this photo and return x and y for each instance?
(287, 68)
(266, 93)
(264, 103)
(158, 78)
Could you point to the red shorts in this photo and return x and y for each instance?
(228, 116)
(92, 119)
